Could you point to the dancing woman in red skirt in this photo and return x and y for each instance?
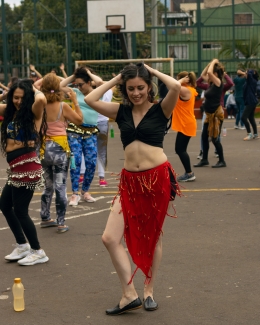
(147, 182)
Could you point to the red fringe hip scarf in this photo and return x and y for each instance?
(26, 170)
(144, 198)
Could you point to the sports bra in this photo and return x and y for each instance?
(12, 130)
(150, 130)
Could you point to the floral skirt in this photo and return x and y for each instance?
(145, 198)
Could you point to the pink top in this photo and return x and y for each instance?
(57, 127)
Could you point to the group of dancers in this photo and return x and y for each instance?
(43, 138)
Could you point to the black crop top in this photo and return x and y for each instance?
(150, 130)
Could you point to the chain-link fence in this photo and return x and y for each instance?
(45, 36)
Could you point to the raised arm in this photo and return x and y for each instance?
(38, 84)
(108, 109)
(204, 73)
(39, 104)
(62, 68)
(229, 82)
(97, 80)
(201, 84)
(3, 87)
(185, 93)
(173, 86)
(65, 82)
(32, 68)
(213, 78)
(76, 116)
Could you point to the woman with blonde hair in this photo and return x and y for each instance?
(184, 121)
(55, 154)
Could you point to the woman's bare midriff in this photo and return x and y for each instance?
(14, 145)
(140, 156)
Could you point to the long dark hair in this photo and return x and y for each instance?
(132, 71)
(22, 118)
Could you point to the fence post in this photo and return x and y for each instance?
(68, 37)
(199, 36)
(5, 44)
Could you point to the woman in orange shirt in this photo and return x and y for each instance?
(184, 121)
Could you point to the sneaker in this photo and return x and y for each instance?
(74, 200)
(233, 117)
(186, 177)
(62, 229)
(248, 137)
(102, 182)
(19, 252)
(236, 127)
(88, 198)
(200, 155)
(242, 128)
(255, 136)
(34, 257)
(229, 117)
(49, 223)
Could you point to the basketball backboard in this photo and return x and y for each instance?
(129, 14)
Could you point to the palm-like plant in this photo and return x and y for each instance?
(245, 50)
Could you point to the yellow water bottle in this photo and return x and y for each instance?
(18, 294)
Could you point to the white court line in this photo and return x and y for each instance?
(74, 217)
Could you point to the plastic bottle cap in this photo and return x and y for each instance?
(17, 280)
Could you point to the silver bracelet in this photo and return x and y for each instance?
(77, 105)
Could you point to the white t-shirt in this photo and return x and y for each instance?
(107, 97)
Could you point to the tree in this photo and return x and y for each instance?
(245, 51)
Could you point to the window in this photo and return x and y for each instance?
(210, 46)
(178, 51)
(244, 19)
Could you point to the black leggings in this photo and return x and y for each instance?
(14, 205)
(215, 141)
(249, 114)
(181, 145)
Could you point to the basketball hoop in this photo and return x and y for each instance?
(114, 29)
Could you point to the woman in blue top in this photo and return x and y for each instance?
(82, 138)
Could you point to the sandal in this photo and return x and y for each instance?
(62, 229)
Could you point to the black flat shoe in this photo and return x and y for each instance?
(150, 304)
(219, 164)
(135, 304)
(202, 163)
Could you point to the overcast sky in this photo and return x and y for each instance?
(13, 2)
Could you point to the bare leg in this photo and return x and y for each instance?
(112, 239)
(148, 289)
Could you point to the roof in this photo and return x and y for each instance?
(177, 15)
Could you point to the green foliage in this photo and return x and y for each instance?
(246, 51)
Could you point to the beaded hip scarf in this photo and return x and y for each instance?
(26, 170)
